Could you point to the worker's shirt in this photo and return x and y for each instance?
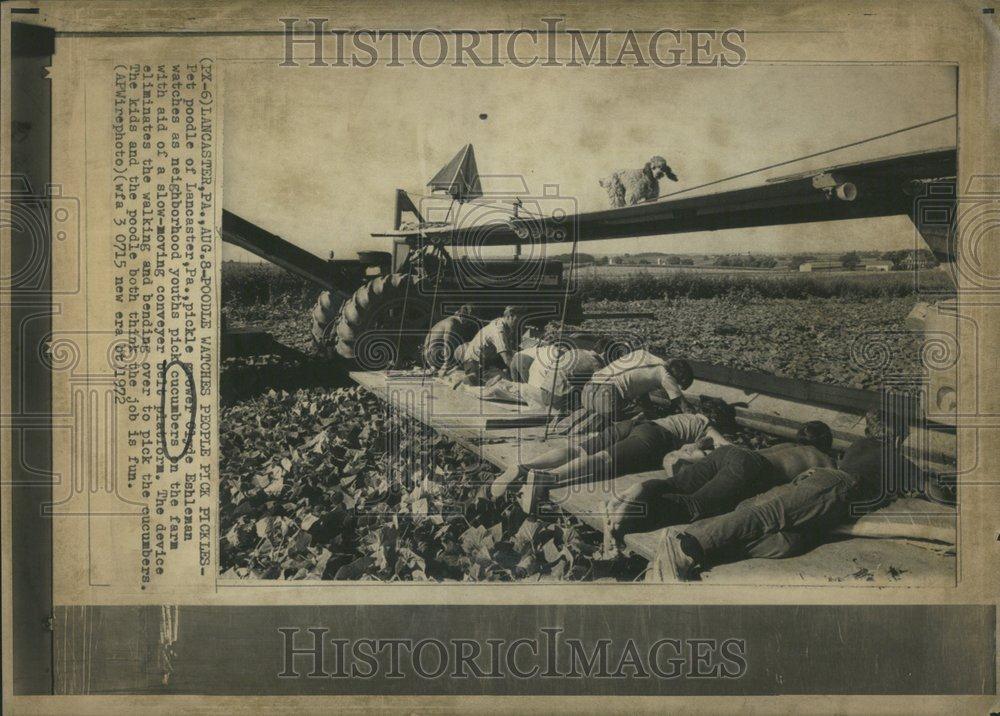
(520, 364)
(543, 367)
(687, 428)
(558, 374)
(533, 352)
(639, 374)
(495, 335)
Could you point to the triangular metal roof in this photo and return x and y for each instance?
(459, 178)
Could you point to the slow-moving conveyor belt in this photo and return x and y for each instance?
(504, 434)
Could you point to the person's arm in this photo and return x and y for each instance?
(911, 476)
(675, 405)
(530, 394)
(648, 405)
(504, 344)
(935, 489)
(674, 393)
(688, 453)
(449, 355)
(458, 357)
(658, 401)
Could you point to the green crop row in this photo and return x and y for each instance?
(247, 285)
(693, 284)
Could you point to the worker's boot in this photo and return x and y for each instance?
(671, 563)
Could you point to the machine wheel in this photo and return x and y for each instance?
(382, 324)
(324, 313)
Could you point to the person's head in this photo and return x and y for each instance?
(881, 425)
(512, 315)
(815, 433)
(464, 310)
(681, 372)
(721, 415)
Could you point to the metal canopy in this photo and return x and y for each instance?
(879, 187)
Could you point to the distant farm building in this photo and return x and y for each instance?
(810, 266)
(878, 266)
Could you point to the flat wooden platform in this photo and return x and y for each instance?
(462, 415)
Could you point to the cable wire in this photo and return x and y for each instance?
(810, 156)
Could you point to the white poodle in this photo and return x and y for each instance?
(633, 186)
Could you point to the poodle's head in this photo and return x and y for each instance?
(659, 168)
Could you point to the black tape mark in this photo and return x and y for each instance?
(186, 367)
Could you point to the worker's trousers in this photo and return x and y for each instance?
(715, 484)
(782, 522)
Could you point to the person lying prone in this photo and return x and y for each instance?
(792, 518)
(639, 381)
(629, 446)
(717, 482)
(554, 378)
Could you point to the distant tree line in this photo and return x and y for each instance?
(746, 261)
(901, 259)
(850, 260)
(667, 260)
(581, 258)
(910, 258)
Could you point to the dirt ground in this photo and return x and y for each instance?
(840, 341)
(310, 488)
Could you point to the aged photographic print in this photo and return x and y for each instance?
(498, 357)
(531, 363)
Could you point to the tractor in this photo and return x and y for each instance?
(384, 321)
(376, 310)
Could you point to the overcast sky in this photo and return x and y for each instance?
(315, 154)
